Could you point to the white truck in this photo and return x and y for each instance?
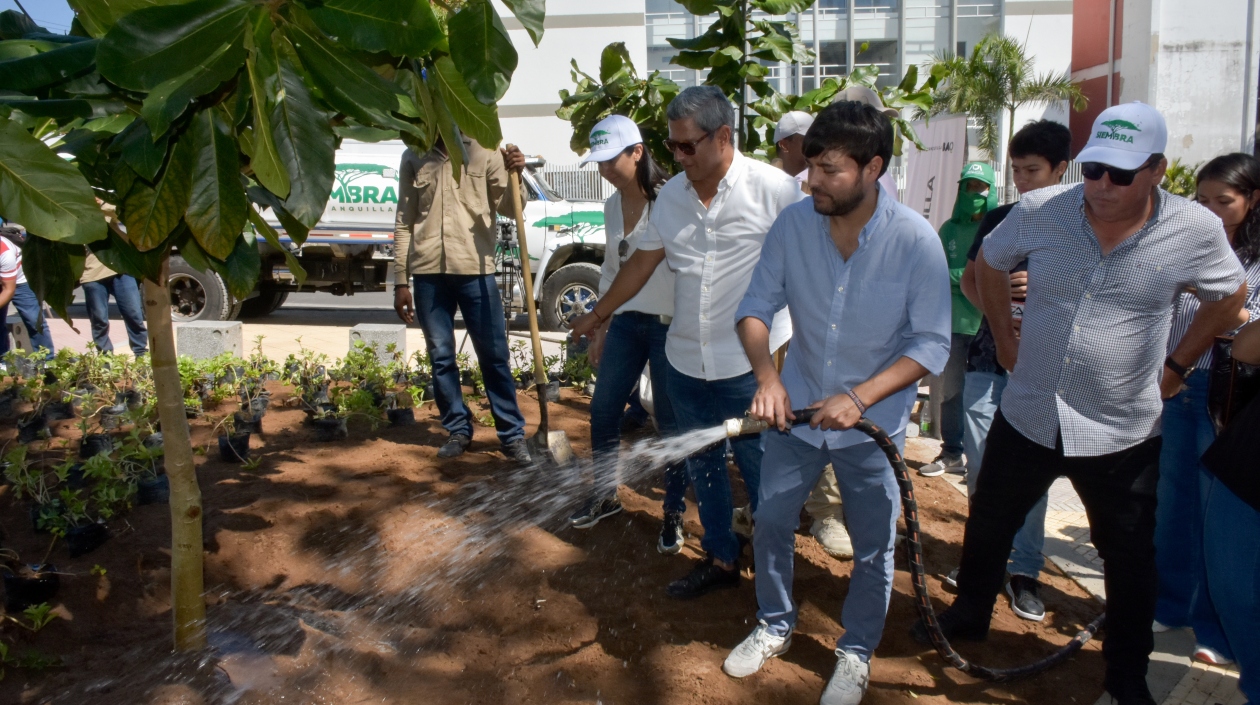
(351, 250)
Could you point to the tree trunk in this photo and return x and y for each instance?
(187, 602)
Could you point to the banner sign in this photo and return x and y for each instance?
(932, 174)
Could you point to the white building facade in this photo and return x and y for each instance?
(891, 34)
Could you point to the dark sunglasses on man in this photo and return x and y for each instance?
(1120, 177)
(687, 148)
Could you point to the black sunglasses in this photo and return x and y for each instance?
(687, 148)
(1120, 177)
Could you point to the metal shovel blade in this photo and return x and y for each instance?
(553, 448)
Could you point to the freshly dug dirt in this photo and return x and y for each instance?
(320, 571)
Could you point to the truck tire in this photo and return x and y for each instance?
(197, 296)
(264, 304)
(568, 293)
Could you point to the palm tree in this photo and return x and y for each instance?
(996, 79)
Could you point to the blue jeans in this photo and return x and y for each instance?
(981, 394)
(477, 297)
(634, 339)
(952, 379)
(33, 317)
(698, 404)
(126, 292)
(1231, 547)
(872, 503)
(1182, 491)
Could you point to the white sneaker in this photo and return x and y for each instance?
(848, 683)
(833, 537)
(1159, 627)
(753, 652)
(945, 463)
(1211, 657)
(952, 578)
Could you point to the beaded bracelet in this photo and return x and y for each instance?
(856, 401)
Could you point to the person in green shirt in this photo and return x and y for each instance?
(977, 195)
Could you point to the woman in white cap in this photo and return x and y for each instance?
(635, 334)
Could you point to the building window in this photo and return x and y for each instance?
(976, 19)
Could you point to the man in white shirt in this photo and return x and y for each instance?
(708, 224)
(789, 142)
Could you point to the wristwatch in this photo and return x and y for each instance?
(1181, 370)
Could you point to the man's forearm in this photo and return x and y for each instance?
(1212, 319)
(755, 337)
(994, 288)
(894, 378)
(634, 274)
(7, 289)
(968, 285)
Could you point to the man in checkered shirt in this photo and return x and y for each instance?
(1110, 257)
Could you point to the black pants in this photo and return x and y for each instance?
(1118, 491)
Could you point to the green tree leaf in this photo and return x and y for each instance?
(481, 50)
(151, 211)
(703, 7)
(53, 269)
(218, 208)
(240, 269)
(269, 234)
(44, 192)
(401, 27)
(431, 96)
(170, 99)
(156, 44)
(21, 48)
(15, 25)
(265, 159)
(477, 120)
(781, 7)
(346, 84)
(306, 145)
(294, 228)
(47, 69)
(99, 16)
(698, 60)
(530, 13)
(139, 150)
(117, 254)
(613, 61)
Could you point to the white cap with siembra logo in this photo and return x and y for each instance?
(1125, 136)
(612, 136)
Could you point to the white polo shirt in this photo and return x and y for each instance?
(657, 296)
(712, 252)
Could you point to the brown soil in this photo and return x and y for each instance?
(312, 561)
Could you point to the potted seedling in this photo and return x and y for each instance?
(330, 423)
(140, 462)
(93, 443)
(27, 585)
(401, 411)
(82, 534)
(555, 375)
(233, 444)
(260, 366)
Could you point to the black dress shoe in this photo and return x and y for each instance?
(517, 450)
(455, 445)
(956, 624)
(706, 576)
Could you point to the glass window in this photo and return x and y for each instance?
(927, 30)
(882, 54)
(976, 18)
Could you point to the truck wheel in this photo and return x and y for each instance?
(197, 296)
(264, 304)
(568, 293)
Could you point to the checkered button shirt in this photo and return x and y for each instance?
(1095, 327)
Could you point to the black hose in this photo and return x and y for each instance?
(918, 577)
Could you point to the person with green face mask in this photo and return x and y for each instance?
(977, 195)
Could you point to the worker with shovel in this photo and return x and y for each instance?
(444, 242)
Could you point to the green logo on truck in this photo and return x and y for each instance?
(345, 191)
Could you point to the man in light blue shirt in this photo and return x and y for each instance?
(867, 284)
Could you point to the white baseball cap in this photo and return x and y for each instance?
(861, 94)
(612, 136)
(795, 122)
(1125, 136)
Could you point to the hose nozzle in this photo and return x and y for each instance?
(747, 424)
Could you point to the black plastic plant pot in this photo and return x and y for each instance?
(153, 440)
(86, 538)
(234, 448)
(28, 585)
(58, 410)
(258, 406)
(29, 430)
(6, 406)
(330, 429)
(129, 398)
(154, 490)
(95, 444)
(401, 417)
(553, 390)
(247, 423)
(75, 478)
(112, 418)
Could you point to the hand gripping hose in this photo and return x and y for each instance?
(914, 549)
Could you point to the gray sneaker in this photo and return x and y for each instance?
(848, 684)
(945, 462)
